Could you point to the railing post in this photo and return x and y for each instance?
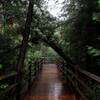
(30, 77)
(18, 88)
(76, 72)
(38, 66)
(35, 65)
(75, 81)
(44, 60)
(66, 73)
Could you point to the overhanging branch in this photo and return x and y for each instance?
(54, 46)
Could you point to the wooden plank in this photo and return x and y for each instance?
(55, 91)
(8, 76)
(8, 89)
(90, 75)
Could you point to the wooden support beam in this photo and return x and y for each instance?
(8, 76)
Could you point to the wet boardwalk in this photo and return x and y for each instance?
(49, 86)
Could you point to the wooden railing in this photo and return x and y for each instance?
(5, 77)
(49, 60)
(81, 80)
(32, 73)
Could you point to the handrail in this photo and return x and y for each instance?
(37, 67)
(81, 82)
(74, 73)
(8, 76)
(8, 89)
(11, 49)
(3, 77)
(90, 75)
(86, 73)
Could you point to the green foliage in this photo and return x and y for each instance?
(3, 86)
(1, 66)
(96, 16)
(97, 88)
(94, 52)
(77, 20)
(99, 62)
(92, 98)
(37, 54)
(48, 52)
(99, 38)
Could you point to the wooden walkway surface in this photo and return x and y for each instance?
(49, 86)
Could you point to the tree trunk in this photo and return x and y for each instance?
(54, 46)
(23, 49)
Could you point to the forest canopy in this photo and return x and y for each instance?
(75, 36)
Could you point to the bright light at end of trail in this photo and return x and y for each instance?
(55, 7)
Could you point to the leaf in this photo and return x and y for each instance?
(94, 52)
(1, 66)
(99, 38)
(97, 88)
(99, 63)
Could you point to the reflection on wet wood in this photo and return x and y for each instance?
(49, 86)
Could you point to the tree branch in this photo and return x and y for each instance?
(54, 46)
